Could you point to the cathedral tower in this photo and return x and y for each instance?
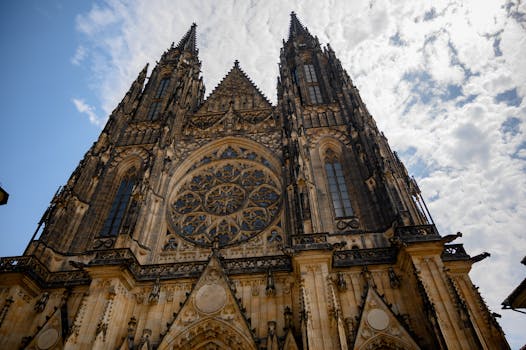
(231, 223)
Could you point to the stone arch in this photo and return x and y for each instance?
(229, 189)
(195, 156)
(208, 334)
(329, 142)
(128, 158)
(336, 135)
(386, 342)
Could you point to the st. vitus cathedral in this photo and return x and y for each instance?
(232, 223)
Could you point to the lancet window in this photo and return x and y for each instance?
(161, 91)
(155, 107)
(119, 205)
(337, 186)
(313, 88)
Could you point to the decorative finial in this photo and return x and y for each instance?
(236, 63)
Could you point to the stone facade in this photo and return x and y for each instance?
(231, 223)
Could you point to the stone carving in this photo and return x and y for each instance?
(358, 257)
(270, 289)
(153, 298)
(272, 338)
(132, 327)
(144, 342)
(5, 309)
(171, 244)
(289, 322)
(41, 303)
(340, 282)
(394, 280)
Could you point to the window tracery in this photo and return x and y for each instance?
(119, 205)
(337, 186)
(230, 195)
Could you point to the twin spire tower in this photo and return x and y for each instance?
(232, 223)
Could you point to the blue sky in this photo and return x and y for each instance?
(445, 81)
(44, 137)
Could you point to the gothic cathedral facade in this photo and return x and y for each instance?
(232, 223)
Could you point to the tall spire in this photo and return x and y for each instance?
(296, 28)
(188, 42)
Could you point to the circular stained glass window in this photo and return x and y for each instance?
(229, 200)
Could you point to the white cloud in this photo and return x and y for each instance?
(83, 107)
(79, 55)
(474, 168)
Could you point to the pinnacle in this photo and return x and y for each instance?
(296, 27)
(188, 42)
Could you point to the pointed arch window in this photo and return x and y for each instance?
(161, 91)
(120, 204)
(153, 112)
(315, 94)
(313, 88)
(337, 186)
(155, 107)
(310, 73)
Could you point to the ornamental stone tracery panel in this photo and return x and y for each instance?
(230, 196)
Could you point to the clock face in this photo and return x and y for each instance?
(230, 199)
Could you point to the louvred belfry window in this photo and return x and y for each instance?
(337, 186)
(118, 207)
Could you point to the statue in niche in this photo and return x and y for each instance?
(154, 294)
(271, 288)
(289, 322)
(394, 280)
(42, 302)
(272, 338)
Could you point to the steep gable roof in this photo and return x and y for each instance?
(235, 87)
(210, 314)
(378, 326)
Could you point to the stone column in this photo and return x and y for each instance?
(312, 269)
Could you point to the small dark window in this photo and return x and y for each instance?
(118, 208)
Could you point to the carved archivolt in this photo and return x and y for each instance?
(211, 334)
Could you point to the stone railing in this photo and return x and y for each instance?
(454, 252)
(188, 269)
(417, 233)
(32, 267)
(357, 257)
(310, 241)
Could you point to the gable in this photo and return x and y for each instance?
(379, 327)
(236, 90)
(210, 317)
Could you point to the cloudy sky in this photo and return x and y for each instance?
(445, 81)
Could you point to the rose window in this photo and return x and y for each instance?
(224, 199)
(229, 200)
